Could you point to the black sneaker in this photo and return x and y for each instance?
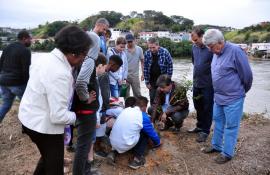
(202, 137)
(175, 130)
(195, 130)
(101, 154)
(95, 164)
(221, 159)
(71, 148)
(111, 158)
(209, 150)
(136, 163)
(91, 168)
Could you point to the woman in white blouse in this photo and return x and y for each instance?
(44, 108)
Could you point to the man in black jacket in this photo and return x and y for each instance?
(14, 71)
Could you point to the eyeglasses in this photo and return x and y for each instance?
(211, 46)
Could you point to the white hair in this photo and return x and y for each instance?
(213, 36)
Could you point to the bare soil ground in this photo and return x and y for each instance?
(180, 153)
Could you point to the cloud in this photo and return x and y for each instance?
(235, 13)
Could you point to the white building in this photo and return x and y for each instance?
(147, 35)
(260, 46)
(163, 34)
(178, 37)
(115, 34)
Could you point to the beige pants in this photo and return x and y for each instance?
(134, 82)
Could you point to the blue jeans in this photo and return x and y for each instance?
(114, 90)
(141, 146)
(227, 122)
(8, 95)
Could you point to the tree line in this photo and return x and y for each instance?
(258, 33)
(149, 20)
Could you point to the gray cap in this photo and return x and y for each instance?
(129, 37)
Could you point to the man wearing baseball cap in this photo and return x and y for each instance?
(135, 57)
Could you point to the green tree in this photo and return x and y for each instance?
(133, 14)
(253, 39)
(55, 26)
(113, 17)
(176, 28)
(184, 23)
(181, 49)
(247, 35)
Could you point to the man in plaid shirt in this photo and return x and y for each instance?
(157, 61)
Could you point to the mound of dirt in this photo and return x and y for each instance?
(179, 154)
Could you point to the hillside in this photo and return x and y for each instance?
(253, 34)
(149, 20)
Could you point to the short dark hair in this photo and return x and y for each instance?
(116, 59)
(142, 101)
(164, 80)
(101, 59)
(72, 39)
(108, 32)
(130, 102)
(153, 40)
(199, 31)
(121, 40)
(23, 34)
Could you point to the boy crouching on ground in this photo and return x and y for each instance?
(132, 130)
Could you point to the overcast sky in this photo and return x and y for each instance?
(234, 13)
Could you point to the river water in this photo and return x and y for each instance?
(257, 99)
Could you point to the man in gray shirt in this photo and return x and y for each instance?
(134, 55)
(86, 101)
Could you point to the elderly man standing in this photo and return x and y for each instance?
(203, 92)
(232, 79)
(157, 61)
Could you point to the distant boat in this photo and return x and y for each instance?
(260, 50)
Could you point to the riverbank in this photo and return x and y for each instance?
(180, 153)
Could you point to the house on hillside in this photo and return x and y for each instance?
(147, 35)
(179, 37)
(163, 34)
(175, 37)
(260, 46)
(115, 34)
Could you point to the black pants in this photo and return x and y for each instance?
(86, 127)
(203, 99)
(177, 119)
(51, 148)
(152, 94)
(71, 135)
